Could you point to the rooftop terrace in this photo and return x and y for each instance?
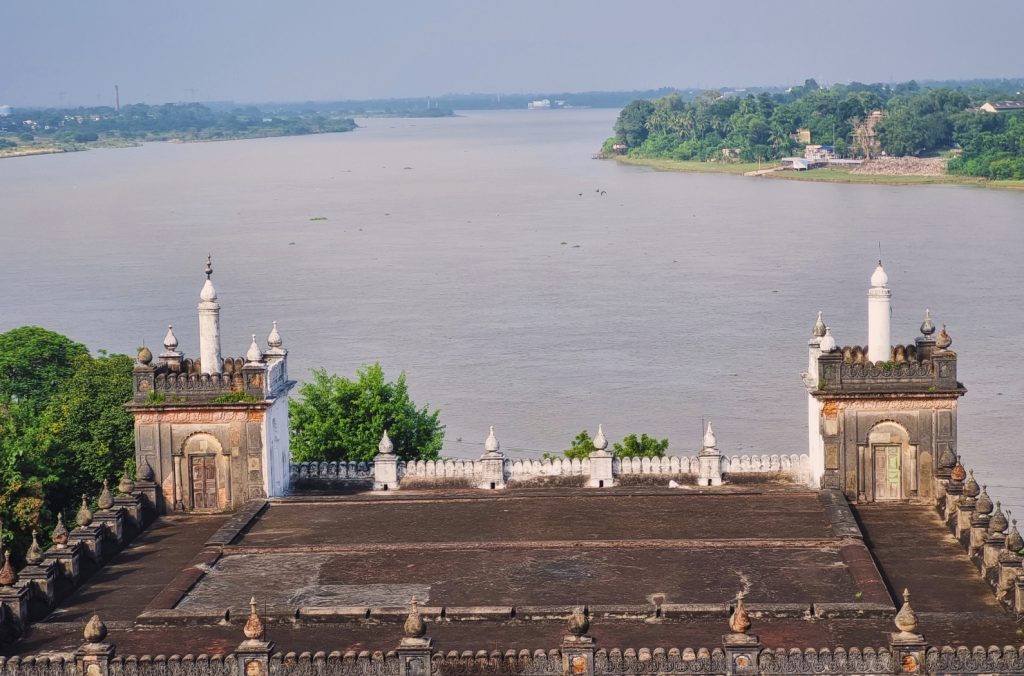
(502, 570)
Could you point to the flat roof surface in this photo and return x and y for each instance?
(624, 552)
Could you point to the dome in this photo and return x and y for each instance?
(828, 343)
(254, 355)
(710, 441)
(600, 442)
(819, 327)
(878, 277)
(491, 445)
(274, 339)
(208, 294)
(385, 447)
(170, 340)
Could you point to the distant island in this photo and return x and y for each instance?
(950, 132)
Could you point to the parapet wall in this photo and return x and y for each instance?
(613, 662)
(793, 467)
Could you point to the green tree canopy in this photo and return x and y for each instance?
(641, 447)
(341, 419)
(63, 426)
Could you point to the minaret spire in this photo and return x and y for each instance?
(209, 325)
(879, 298)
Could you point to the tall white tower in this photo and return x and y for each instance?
(879, 296)
(209, 326)
(815, 444)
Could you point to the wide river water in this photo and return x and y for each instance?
(517, 281)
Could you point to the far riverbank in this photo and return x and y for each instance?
(827, 175)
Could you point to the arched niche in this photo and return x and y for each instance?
(203, 474)
(889, 464)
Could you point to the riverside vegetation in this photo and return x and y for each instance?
(735, 134)
(32, 132)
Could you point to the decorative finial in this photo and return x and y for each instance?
(170, 340)
(984, 503)
(971, 488)
(105, 500)
(125, 486)
(828, 343)
(34, 555)
(579, 623)
(209, 266)
(878, 277)
(739, 621)
(60, 533)
(84, 516)
(997, 524)
(385, 447)
(819, 327)
(254, 355)
(943, 341)
(145, 356)
(274, 339)
(958, 473)
(600, 442)
(415, 627)
(8, 578)
(145, 470)
(1014, 541)
(927, 326)
(491, 445)
(710, 441)
(253, 629)
(95, 630)
(906, 619)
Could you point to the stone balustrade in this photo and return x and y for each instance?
(792, 467)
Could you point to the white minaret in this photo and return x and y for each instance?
(209, 326)
(879, 295)
(815, 444)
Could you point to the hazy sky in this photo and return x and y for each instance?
(255, 50)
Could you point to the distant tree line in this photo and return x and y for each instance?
(141, 122)
(915, 120)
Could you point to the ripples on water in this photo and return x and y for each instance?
(461, 251)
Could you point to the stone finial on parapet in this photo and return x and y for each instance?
(60, 533)
(253, 653)
(415, 647)
(577, 645)
(105, 500)
(601, 470)
(8, 576)
(94, 656)
(491, 464)
(385, 465)
(1014, 541)
(908, 647)
(84, 516)
(998, 523)
(741, 648)
(34, 555)
(710, 460)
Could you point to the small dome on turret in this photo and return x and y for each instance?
(491, 445)
(1014, 541)
(170, 340)
(254, 355)
(385, 447)
(819, 327)
(878, 277)
(998, 523)
(943, 340)
(828, 343)
(274, 339)
(927, 326)
(710, 440)
(600, 442)
(971, 488)
(145, 356)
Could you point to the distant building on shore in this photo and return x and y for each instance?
(1002, 106)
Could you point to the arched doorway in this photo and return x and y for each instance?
(891, 463)
(205, 473)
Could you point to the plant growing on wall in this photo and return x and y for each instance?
(336, 418)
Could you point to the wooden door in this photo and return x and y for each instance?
(204, 482)
(888, 472)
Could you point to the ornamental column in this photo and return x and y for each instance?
(209, 326)
(879, 298)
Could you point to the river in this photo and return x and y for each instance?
(517, 281)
